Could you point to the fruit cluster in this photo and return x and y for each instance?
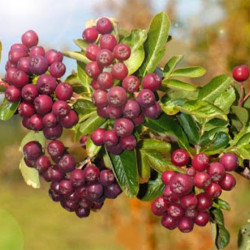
(79, 190)
(187, 198)
(126, 104)
(43, 103)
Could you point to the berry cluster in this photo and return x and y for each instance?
(125, 104)
(43, 105)
(186, 198)
(79, 190)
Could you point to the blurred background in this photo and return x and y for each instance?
(214, 34)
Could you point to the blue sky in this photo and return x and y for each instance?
(58, 23)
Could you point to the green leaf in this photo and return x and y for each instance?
(190, 127)
(244, 151)
(7, 109)
(135, 40)
(149, 191)
(241, 113)
(244, 237)
(214, 88)
(171, 106)
(171, 64)
(125, 169)
(33, 136)
(81, 44)
(84, 108)
(166, 125)
(143, 165)
(157, 145)
(202, 109)
(222, 235)
(84, 78)
(178, 85)
(215, 123)
(221, 204)
(192, 72)
(155, 43)
(77, 56)
(225, 100)
(91, 149)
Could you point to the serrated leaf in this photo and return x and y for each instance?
(7, 109)
(241, 113)
(125, 170)
(84, 78)
(178, 85)
(91, 149)
(166, 125)
(155, 43)
(171, 64)
(81, 44)
(190, 128)
(191, 72)
(77, 56)
(214, 88)
(202, 109)
(225, 100)
(149, 191)
(135, 40)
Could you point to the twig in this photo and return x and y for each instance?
(244, 172)
(246, 97)
(242, 91)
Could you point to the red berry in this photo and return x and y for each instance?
(66, 187)
(37, 51)
(139, 120)
(35, 122)
(116, 150)
(53, 56)
(175, 211)
(119, 71)
(114, 112)
(122, 51)
(60, 108)
(168, 222)
(159, 206)
(16, 54)
(100, 98)
(131, 84)
(104, 25)
(91, 51)
(23, 64)
(102, 112)
(56, 149)
(241, 73)
(108, 41)
(153, 111)
(123, 127)
(185, 224)
(228, 182)
(229, 161)
(105, 80)
(204, 202)
(20, 79)
(213, 190)
(29, 92)
(97, 136)
(57, 69)
(64, 91)
(42, 163)
(30, 38)
(216, 170)
(107, 177)
(151, 81)
(32, 150)
(110, 138)
(53, 133)
(166, 176)
(26, 109)
(13, 94)
(69, 120)
(145, 98)
(91, 173)
(180, 157)
(168, 195)
(202, 218)
(202, 180)
(46, 84)
(104, 57)
(131, 109)
(189, 201)
(90, 34)
(200, 162)
(43, 104)
(117, 96)
(67, 163)
(128, 142)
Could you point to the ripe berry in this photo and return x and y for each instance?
(191, 172)
(82, 212)
(23, 64)
(104, 57)
(204, 202)
(153, 111)
(37, 51)
(102, 112)
(181, 184)
(38, 65)
(69, 120)
(229, 161)
(116, 96)
(55, 149)
(57, 69)
(119, 71)
(200, 162)
(100, 98)
(151, 81)
(216, 171)
(105, 80)
(110, 138)
(108, 41)
(159, 206)
(82, 191)
(35, 122)
(95, 85)
(93, 70)
(191, 213)
(166, 176)
(66, 163)
(32, 150)
(66, 187)
(185, 224)
(131, 83)
(107, 177)
(116, 150)
(29, 92)
(26, 122)
(20, 78)
(97, 136)
(30, 38)
(180, 157)
(90, 34)
(49, 120)
(168, 195)
(131, 109)
(104, 25)
(228, 182)
(94, 191)
(46, 84)
(9, 75)
(168, 222)
(29, 163)
(91, 173)
(54, 196)
(73, 197)
(43, 104)
(16, 54)
(26, 109)
(13, 94)
(122, 51)
(139, 120)
(42, 163)
(241, 73)
(64, 91)
(213, 190)
(77, 177)
(53, 56)
(18, 46)
(202, 218)
(114, 112)
(60, 108)
(71, 206)
(112, 191)
(123, 127)
(128, 142)
(145, 98)
(92, 51)
(189, 201)
(202, 180)
(53, 133)
(85, 203)
(175, 211)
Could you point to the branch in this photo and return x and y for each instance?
(244, 172)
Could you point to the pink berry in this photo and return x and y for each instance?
(180, 157)
(200, 162)
(241, 73)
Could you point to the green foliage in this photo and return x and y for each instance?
(192, 72)
(84, 78)
(171, 64)
(178, 85)
(81, 44)
(7, 109)
(244, 237)
(78, 56)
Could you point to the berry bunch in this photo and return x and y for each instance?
(43, 105)
(126, 104)
(79, 190)
(186, 198)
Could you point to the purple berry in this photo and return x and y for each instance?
(104, 25)
(67, 163)
(53, 133)
(38, 65)
(102, 112)
(54, 173)
(91, 173)
(151, 81)
(30, 38)
(42, 163)
(43, 104)
(117, 96)
(131, 109)
(139, 120)
(94, 191)
(229, 161)
(168, 195)
(128, 142)
(60, 108)
(77, 177)
(56, 149)
(116, 150)
(49, 120)
(46, 84)
(145, 98)
(123, 127)
(66, 187)
(69, 120)
(100, 98)
(97, 136)
(29, 92)
(82, 212)
(110, 138)
(107, 177)
(64, 91)
(200, 162)
(108, 41)
(112, 191)
(153, 111)
(114, 112)
(32, 150)
(57, 69)
(119, 71)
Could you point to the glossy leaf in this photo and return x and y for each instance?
(144, 168)
(171, 64)
(135, 40)
(157, 145)
(81, 44)
(221, 204)
(7, 109)
(215, 123)
(171, 106)
(225, 100)
(125, 169)
(155, 43)
(214, 88)
(91, 149)
(84, 78)
(241, 113)
(191, 72)
(77, 56)
(84, 108)
(178, 85)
